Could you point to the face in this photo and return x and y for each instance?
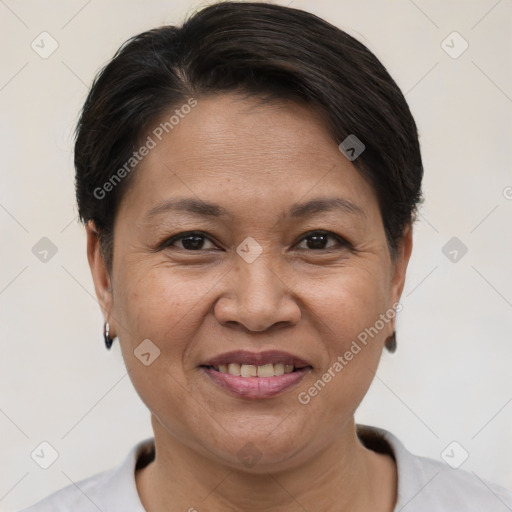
(262, 274)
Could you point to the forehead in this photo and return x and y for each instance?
(257, 132)
(232, 149)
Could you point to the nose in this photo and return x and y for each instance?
(256, 297)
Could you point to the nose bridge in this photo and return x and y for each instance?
(257, 274)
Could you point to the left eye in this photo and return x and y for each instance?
(318, 240)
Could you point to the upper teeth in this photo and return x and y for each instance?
(250, 370)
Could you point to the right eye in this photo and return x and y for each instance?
(190, 240)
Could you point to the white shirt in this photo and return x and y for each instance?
(424, 485)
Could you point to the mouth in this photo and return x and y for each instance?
(256, 375)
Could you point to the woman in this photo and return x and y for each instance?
(248, 183)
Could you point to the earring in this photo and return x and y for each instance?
(391, 342)
(108, 339)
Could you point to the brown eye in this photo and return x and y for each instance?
(190, 241)
(317, 240)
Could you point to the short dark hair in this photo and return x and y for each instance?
(258, 49)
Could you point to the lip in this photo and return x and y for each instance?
(257, 359)
(256, 387)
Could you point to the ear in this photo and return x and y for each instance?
(399, 264)
(99, 271)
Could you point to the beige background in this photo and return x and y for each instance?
(450, 379)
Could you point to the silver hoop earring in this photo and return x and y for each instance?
(108, 339)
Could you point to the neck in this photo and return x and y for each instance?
(343, 476)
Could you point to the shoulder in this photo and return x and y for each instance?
(79, 497)
(426, 484)
(114, 489)
(432, 483)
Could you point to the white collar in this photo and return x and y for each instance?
(423, 484)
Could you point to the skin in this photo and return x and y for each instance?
(255, 160)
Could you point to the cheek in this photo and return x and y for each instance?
(346, 309)
(349, 301)
(160, 305)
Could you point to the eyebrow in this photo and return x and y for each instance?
(297, 210)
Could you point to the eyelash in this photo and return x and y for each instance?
(342, 243)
